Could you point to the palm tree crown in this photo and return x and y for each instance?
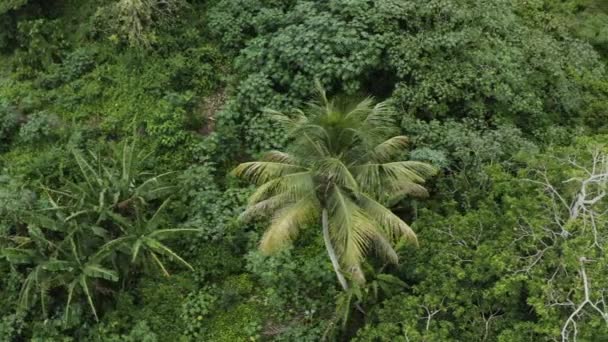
(343, 165)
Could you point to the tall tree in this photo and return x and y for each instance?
(343, 166)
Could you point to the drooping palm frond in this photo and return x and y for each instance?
(350, 228)
(384, 152)
(287, 221)
(391, 225)
(267, 206)
(384, 249)
(263, 171)
(393, 178)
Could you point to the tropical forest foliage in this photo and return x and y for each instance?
(294, 170)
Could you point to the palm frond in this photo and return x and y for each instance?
(158, 247)
(110, 247)
(386, 150)
(280, 157)
(261, 172)
(295, 186)
(96, 271)
(391, 178)
(382, 116)
(266, 207)
(392, 226)
(161, 234)
(287, 222)
(57, 266)
(27, 288)
(350, 228)
(361, 110)
(90, 175)
(154, 221)
(160, 264)
(384, 249)
(19, 255)
(71, 288)
(85, 288)
(135, 250)
(335, 171)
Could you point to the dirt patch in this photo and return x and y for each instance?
(207, 109)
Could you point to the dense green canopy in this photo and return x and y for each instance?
(126, 127)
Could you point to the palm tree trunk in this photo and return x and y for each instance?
(331, 251)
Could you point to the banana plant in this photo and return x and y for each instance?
(142, 239)
(51, 265)
(93, 230)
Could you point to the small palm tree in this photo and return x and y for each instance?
(343, 166)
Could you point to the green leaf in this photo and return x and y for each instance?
(19, 255)
(162, 249)
(96, 271)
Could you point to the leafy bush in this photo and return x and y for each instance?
(500, 269)
(6, 5)
(135, 21)
(10, 119)
(39, 127)
(41, 44)
(438, 59)
(196, 310)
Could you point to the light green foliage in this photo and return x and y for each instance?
(496, 276)
(136, 21)
(138, 332)
(168, 124)
(41, 43)
(293, 280)
(465, 148)
(11, 326)
(163, 301)
(7, 5)
(240, 323)
(40, 127)
(586, 19)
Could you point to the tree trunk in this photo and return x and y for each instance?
(331, 251)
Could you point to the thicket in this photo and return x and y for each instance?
(121, 121)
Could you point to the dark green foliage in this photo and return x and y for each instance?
(438, 59)
(10, 118)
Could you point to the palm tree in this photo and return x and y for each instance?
(343, 166)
